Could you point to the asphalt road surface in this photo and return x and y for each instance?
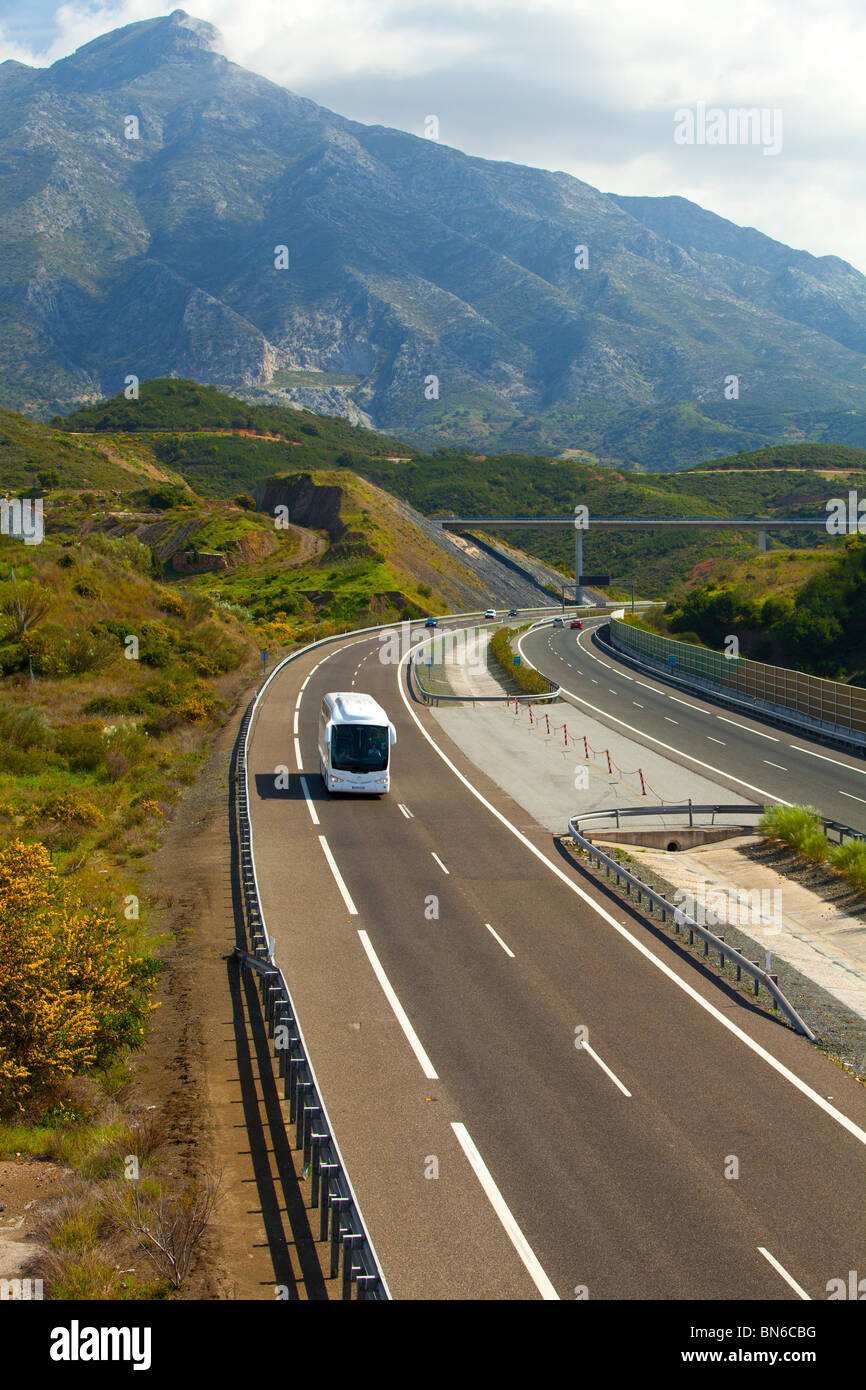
(442, 955)
(754, 759)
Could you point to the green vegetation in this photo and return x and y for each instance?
(815, 626)
(800, 827)
(523, 676)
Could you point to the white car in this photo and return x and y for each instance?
(491, 613)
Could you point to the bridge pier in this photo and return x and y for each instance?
(578, 565)
(762, 540)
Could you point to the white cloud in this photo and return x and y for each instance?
(577, 85)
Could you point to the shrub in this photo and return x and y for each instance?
(156, 644)
(87, 586)
(530, 681)
(81, 746)
(125, 748)
(799, 827)
(72, 995)
(172, 603)
(70, 808)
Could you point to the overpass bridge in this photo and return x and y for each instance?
(634, 523)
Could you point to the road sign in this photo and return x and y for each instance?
(601, 579)
(515, 661)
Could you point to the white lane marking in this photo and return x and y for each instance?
(441, 865)
(495, 934)
(300, 697)
(612, 691)
(717, 740)
(637, 702)
(688, 704)
(852, 797)
(406, 812)
(295, 729)
(737, 725)
(304, 685)
(310, 807)
(298, 755)
(399, 1012)
(593, 679)
(574, 887)
(824, 759)
(585, 1047)
(347, 899)
(671, 721)
(778, 765)
(500, 1206)
(780, 1269)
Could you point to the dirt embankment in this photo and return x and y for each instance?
(317, 505)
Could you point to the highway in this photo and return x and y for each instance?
(758, 760)
(442, 955)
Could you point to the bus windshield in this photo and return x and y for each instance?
(359, 748)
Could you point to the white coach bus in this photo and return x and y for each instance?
(355, 740)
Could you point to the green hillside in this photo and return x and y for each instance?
(462, 482)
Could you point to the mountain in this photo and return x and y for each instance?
(155, 256)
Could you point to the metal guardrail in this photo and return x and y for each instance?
(682, 808)
(340, 1219)
(434, 698)
(681, 920)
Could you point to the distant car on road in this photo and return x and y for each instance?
(512, 612)
(432, 622)
(557, 622)
(576, 622)
(491, 613)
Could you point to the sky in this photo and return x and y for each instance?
(616, 92)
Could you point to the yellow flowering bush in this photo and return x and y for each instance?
(71, 994)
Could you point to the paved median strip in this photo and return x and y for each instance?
(399, 1012)
(500, 1206)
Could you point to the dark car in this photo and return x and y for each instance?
(432, 622)
(512, 612)
(576, 623)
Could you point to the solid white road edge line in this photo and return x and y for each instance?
(399, 1012)
(338, 877)
(439, 862)
(780, 1269)
(574, 887)
(500, 1206)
